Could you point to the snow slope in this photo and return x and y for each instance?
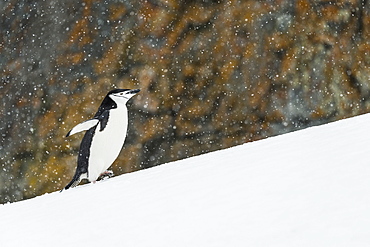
(306, 188)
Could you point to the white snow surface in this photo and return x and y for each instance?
(306, 188)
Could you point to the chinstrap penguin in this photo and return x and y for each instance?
(104, 138)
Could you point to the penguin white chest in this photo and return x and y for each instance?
(107, 144)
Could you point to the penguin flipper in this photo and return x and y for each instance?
(83, 126)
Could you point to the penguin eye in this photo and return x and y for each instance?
(121, 94)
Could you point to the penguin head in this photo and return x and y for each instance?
(122, 95)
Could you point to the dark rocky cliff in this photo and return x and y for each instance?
(213, 74)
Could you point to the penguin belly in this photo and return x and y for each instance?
(107, 144)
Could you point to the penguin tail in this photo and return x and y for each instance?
(74, 182)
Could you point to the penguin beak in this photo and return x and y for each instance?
(134, 91)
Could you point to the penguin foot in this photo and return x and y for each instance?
(107, 174)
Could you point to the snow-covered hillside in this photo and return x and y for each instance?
(307, 188)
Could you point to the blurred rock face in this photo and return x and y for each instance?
(213, 74)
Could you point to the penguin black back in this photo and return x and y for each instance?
(83, 158)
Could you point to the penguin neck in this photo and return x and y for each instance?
(121, 106)
(121, 109)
